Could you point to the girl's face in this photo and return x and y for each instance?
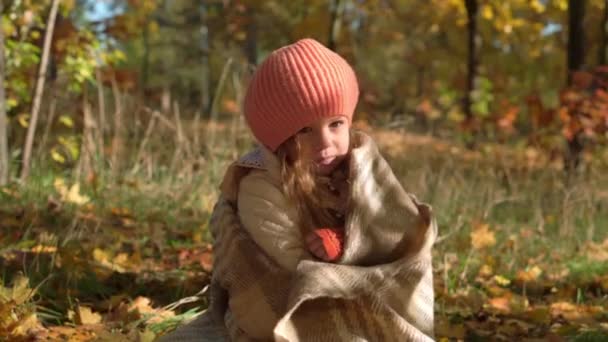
(325, 143)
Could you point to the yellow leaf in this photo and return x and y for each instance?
(87, 316)
(487, 12)
(72, 195)
(57, 156)
(66, 120)
(502, 281)
(75, 197)
(100, 255)
(121, 258)
(482, 237)
(23, 120)
(44, 249)
(19, 293)
(537, 6)
(26, 325)
(486, 270)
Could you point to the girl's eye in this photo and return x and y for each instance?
(305, 130)
(337, 123)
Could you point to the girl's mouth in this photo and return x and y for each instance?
(325, 161)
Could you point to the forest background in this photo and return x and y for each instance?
(118, 118)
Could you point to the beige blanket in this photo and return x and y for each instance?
(381, 290)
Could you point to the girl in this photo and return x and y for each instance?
(315, 239)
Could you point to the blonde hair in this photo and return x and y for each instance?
(315, 202)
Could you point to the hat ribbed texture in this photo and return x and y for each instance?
(296, 85)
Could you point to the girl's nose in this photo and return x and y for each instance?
(323, 139)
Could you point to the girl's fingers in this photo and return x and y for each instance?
(311, 238)
(316, 247)
(319, 252)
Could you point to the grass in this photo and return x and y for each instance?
(140, 232)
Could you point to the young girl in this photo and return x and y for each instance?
(315, 239)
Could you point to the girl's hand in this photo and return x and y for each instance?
(325, 243)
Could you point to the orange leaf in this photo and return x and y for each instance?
(501, 303)
(529, 274)
(482, 237)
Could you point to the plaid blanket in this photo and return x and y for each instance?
(381, 289)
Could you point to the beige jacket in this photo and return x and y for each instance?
(265, 213)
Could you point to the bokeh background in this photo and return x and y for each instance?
(119, 117)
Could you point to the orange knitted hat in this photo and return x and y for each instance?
(296, 85)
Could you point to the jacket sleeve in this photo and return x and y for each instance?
(265, 214)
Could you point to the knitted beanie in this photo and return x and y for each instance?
(296, 85)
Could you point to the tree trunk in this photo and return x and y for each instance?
(4, 162)
(205, 77)
(334, 23)
(472, 62)
(31, 130)
(576, 36)
(576, 61)
(118, 140)
(603, 36)
(251, 40)
(145, 65)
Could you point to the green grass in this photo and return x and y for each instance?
(539, 218)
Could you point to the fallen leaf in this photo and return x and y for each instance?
(443, 328)
(85, 315)
(486, 271)
(27, 326)
(529, 275)
(501, 304)
(502, 281)
(19, 293)
(597, 251)
(43, 249)
(482, 237)
(71, 195)
(142, 305)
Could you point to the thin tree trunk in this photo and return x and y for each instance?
(88, 150)
(576, 61)
(31, 130)
(118, 138)
(102, 111)
(145, 65)
(4, 162)
(334, 23)
(604, 36)
(49, 121)
(472, 62)
(205, 79)
(251, 46)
